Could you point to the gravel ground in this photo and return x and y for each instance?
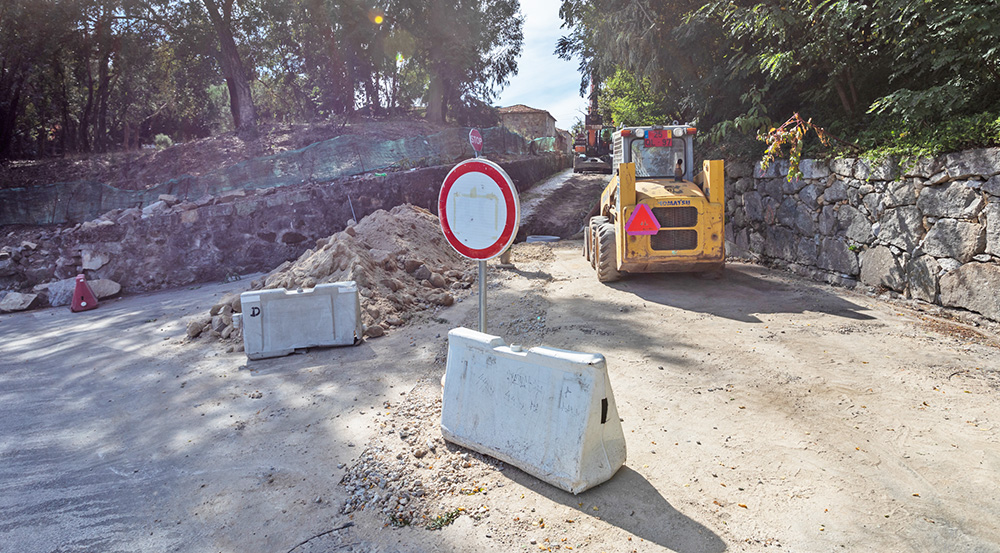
(760, 410)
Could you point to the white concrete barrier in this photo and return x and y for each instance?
(547, 411)
(277, 322)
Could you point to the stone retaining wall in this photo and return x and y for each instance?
(174, 242)
(927, 229)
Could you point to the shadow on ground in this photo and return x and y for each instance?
(630, 502)
(117, 436)
(741, 294)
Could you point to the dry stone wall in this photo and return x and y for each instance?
(174, 242)
(927, 229)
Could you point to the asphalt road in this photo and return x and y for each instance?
(117, 436)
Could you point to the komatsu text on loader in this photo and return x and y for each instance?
(655, 215)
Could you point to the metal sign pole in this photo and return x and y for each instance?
(482, 276)
(486, 186)
(482, 297)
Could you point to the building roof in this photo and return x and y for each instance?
(521, 108)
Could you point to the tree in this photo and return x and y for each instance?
(322, 58)
(32, 31)
(666, 50)
(630, 101)
(88, 75)
(469, 48)
(240, 98)
(945, 62)
(727, 65)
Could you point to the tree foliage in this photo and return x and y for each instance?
(856, 66)
(631, 101)
(470, 47)
(95, 75)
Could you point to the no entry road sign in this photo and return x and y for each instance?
(479, 209)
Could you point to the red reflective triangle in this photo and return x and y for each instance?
(642, 221)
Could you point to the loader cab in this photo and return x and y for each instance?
(656, 150)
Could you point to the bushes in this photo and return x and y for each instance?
(923, 140)
(163, 141)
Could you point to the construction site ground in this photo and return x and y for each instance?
(761, 412)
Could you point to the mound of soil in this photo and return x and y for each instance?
(399, 259)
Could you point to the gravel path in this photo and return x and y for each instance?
(760, 410)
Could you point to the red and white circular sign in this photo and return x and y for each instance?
(479, 209)
(476, 140)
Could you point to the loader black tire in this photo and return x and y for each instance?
(607, 262)
(593, 225)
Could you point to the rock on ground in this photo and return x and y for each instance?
(104, 288)
(15, 301)
(58, 293)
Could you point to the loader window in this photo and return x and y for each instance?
(656, 161)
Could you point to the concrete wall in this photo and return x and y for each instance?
(174, 243)
(927, 229)
(530, 125)
(325, 161)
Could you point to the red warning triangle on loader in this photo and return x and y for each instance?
(83, 296)
(642, 221)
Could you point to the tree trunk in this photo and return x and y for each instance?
(371, 92)
(845, 102)
(338, 92)
(126, 136)
(65, 133)
(84, 130)
(240, 99)
(8, 117)
(435, 98)
(103, 91)
(854, 91)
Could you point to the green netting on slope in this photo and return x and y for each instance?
(324, 161)
(544, 144)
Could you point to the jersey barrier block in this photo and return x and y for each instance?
(277, 322)
(547, 411)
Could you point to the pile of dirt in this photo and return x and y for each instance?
(399, 259)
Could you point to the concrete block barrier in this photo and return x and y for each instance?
(547, 411)
(277, 322)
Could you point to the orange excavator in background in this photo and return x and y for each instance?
(593, 147)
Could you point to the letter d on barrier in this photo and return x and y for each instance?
(547, 411)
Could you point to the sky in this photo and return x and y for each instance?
(544, 81)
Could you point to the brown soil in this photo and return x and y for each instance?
(399, 259)
(139, 170)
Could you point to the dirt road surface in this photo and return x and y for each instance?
(760, 411)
